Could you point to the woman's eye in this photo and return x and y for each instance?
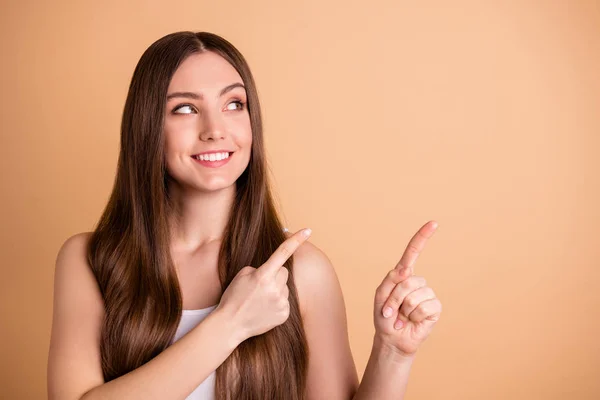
(241, 105)
(184, 106)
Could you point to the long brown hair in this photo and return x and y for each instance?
(129, 250)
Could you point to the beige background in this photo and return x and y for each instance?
(482, 115)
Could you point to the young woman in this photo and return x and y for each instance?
(189, 287)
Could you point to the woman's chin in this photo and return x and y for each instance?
(216, 185)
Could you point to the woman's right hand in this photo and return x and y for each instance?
(257, 298)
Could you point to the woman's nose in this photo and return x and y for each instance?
(213, 127)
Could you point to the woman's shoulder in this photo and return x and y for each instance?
(74, 246)
(76, 240)
(308, 255)
(72, 252)
(314, 275)
(311, 254)
(73, 272)
(77, 316)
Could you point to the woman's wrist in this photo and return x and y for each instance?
(226, 328)
(388, 352)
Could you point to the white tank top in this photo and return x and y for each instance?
(189, 320)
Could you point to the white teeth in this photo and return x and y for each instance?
(213, 156)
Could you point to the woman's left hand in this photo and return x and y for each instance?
(413, 307)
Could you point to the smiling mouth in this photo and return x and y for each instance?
(206, 161)
(213, 157)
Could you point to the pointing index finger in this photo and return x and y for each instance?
(284, 252)
(416, 245)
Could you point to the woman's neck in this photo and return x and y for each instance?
(198, 217)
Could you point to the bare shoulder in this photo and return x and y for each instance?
(74, 365)
(74, 274)
(73, 246)
(314, 275)
(71, 260)
(331, 372)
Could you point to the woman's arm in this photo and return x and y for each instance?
(405, 311)
(331, 370)
(386, 375)
(74, 370)
(176, 371)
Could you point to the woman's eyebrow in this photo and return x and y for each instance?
(199, 96)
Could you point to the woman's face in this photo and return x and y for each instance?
(207, 114)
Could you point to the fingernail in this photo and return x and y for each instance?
(306, 232)
(388, 312)
(398, 324)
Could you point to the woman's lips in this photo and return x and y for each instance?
(213, 164)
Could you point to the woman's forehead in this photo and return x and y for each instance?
(206, 72)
